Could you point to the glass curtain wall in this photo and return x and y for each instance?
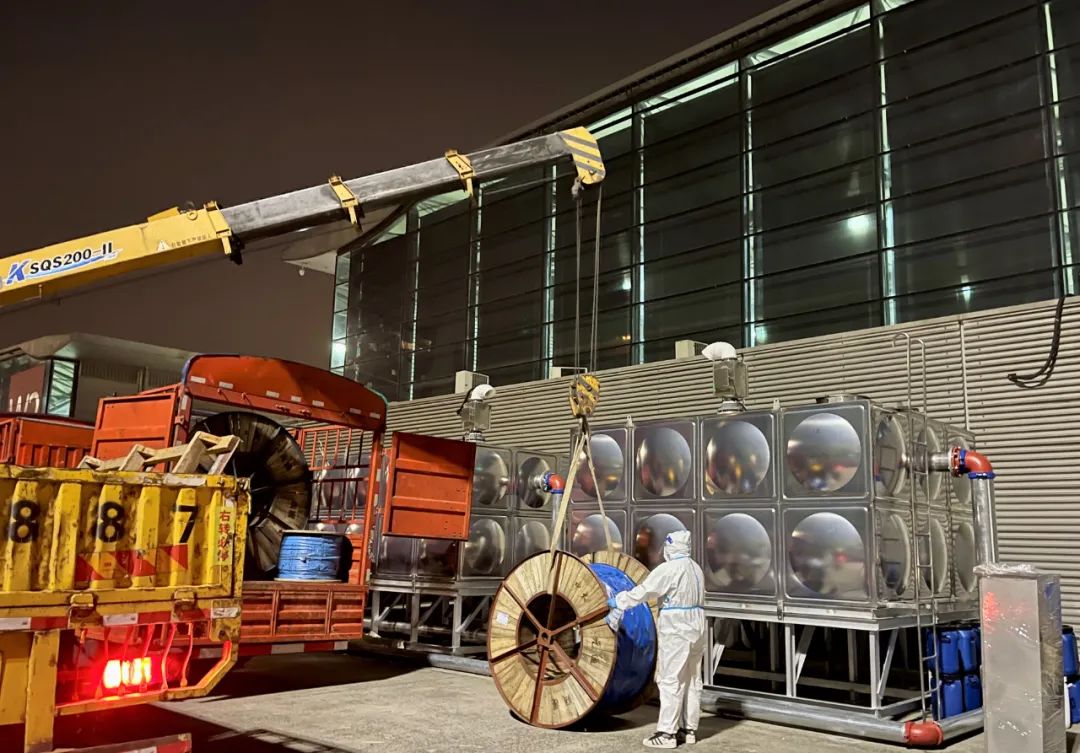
(902, 160)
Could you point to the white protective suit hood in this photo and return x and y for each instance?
(677, 545)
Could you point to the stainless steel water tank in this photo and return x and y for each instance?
(889, 455)
(586, 530)
(893, 542)
(531, 535)
(664, 464)
(738, 457)
(486, 553)
(437, 559)
(738, 552)
(827, 551)
(530, 468)
(852, 449)
(651, 526)
(491, 478)
(935, 554)
(964, 558)
(611, 458)
(826, 451)
(924, 438)
(395, 557)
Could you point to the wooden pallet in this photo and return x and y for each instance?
(203, 453)
(552, 658)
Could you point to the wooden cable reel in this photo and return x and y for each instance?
(280, 483)
(552, 655)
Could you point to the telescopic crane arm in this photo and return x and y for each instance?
(177, 235)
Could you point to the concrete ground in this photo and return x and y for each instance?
(345, 704)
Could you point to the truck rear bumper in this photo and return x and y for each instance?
(170, 744)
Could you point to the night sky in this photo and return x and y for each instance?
(114, 111)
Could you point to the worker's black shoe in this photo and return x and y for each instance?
(660, 740)
(686, 737)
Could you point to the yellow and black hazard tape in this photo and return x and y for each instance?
(586, 153)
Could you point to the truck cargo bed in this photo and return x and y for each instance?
(276, 611)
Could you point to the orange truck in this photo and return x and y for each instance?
(104, 601)
(43, 441)
(335, 424)
(81, 602)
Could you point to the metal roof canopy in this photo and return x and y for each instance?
(88, 347)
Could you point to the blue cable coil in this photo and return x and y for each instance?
(635, 655)
(309, 555)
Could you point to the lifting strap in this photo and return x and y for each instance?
(584, 395)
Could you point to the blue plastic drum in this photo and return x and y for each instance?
(969, 650)
(1068, 651)
(948, 648)
(952, 692)
(972, 692)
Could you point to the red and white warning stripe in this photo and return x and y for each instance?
(150, 618)
(10, 624)
(266, 649)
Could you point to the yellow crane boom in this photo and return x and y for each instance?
(177, 235)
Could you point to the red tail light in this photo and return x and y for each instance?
(127, 673)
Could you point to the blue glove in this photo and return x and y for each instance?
(611, 603)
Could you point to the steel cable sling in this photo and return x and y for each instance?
(585, 389)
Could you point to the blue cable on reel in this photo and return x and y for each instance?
(310, 556)
(635, 656)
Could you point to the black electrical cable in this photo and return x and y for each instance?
(1042, 376)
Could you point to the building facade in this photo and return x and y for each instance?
(66, 375)
(833, 167)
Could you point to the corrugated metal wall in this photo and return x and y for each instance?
(1030, 435)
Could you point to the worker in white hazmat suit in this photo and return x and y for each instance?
(678, 585)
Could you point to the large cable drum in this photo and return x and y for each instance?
(280, 483)
(552, 655)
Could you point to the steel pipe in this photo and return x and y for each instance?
(460, 664)
(478, 636)
(977, 467)
(805, 716)
(982, 494)
(435, 659)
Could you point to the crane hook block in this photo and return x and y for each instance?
(585, 150)
(584, 395)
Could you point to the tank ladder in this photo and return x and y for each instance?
(925, 590)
